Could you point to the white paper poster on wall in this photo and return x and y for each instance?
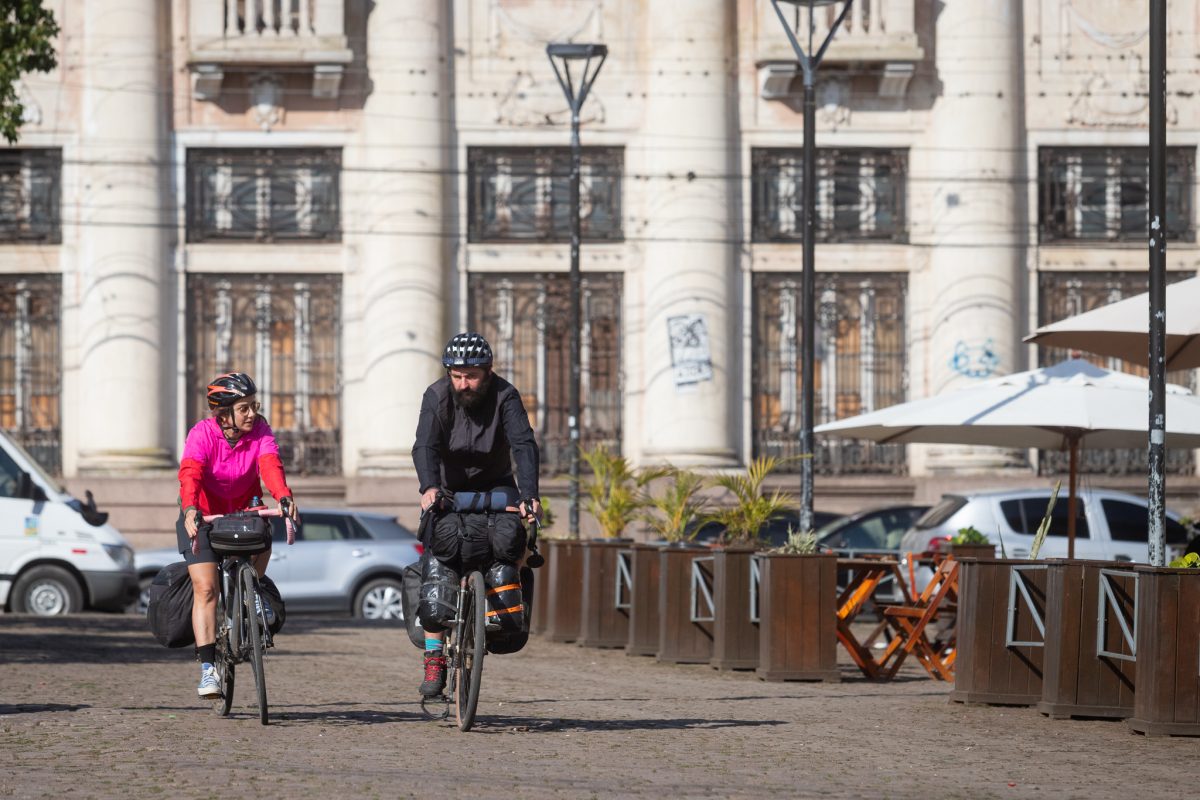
(691, 356)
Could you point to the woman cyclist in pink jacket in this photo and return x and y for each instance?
(224, 457)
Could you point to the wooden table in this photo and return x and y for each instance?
(865, 576)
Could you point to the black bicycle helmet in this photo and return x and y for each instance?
(467, 350)
(225, 390)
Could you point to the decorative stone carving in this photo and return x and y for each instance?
(832, 97)
(529, 102)
(1115, 101)
(539, 21)
(266, 99)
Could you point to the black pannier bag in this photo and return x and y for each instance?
(410, 600)
(170, 608)
(242, 534)
(271, 592)
(514, 634)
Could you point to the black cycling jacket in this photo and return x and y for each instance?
(473, 451)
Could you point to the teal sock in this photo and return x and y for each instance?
(433, 645)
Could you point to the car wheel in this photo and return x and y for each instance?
(47, 592)
(380, 599)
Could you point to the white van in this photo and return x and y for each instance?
(57, 555)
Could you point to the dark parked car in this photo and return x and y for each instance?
(877, 531)
(776, 531)
(343, 560)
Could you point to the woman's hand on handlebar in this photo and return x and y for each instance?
(190, 523)
(287, 508)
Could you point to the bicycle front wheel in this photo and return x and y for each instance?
(472, 646)
(254, 623)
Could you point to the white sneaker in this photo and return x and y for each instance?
(210, 684)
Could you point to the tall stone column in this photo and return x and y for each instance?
(395, 182)
(122, 406)
(689, 372)
(970, 213)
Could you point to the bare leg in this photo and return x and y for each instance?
(204, 602)
(260, 562)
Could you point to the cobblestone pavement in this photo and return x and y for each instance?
(91, 706)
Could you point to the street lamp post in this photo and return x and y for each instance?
(1158, 285)
(809, 61)
(588, 59)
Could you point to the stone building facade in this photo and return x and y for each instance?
(319, 192)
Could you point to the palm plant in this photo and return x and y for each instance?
(672, 514)
(751, 510)
(613, 489)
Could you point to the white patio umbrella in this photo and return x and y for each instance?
(1122, 329)
(1053, 408)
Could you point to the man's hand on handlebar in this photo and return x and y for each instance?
(531, 509)
(431, 496)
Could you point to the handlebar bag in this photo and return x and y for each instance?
(240, 534)
(169, 612)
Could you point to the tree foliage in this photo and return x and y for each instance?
(27, 32)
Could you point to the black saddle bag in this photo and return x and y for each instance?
(242, 534)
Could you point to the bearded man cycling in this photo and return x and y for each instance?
(471, 429)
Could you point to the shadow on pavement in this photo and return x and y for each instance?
(84, 638)
(501, 724)
(38, 708)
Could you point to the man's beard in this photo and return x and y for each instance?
(469, 400)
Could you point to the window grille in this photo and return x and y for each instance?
(523, 194)
(31, 366)
(30, 195)
(526, 318)
(1101, 194)
(264, 195)
(285, 331)
(860, 366)
(860, 195)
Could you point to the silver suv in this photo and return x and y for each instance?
(1109, 525)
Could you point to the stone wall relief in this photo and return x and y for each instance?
(530, 101)
(266, 100)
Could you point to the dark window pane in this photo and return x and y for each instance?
(1033, 510)
(30, 195)
(1126, 522)
(31, 365)
(264, 195)
(860, 195)
(523, 194)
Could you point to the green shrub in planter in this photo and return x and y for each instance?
(969, 535)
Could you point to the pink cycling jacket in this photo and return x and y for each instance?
(218, 478)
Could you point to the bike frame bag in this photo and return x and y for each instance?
(241, 534)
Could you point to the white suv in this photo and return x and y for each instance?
(1109, 525)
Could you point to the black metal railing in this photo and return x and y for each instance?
(264, 195)
(860, 195)
(860, 366)
(526, 320)
(519, 194)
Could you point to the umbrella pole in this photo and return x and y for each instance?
(1074, 469)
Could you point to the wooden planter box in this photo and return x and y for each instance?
(1078, 681)
(684, 636)
(798, 618)
(645, 561)
(961, 551)
(564, 596)
(1167, 701)
(1001, 608)
(603, 623)
(735, 630)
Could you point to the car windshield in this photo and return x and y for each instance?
(941, 512)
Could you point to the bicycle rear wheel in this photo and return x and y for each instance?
(472, 646)
(254, 624)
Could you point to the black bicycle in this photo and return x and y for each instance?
(243, 635)
(465, 646)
